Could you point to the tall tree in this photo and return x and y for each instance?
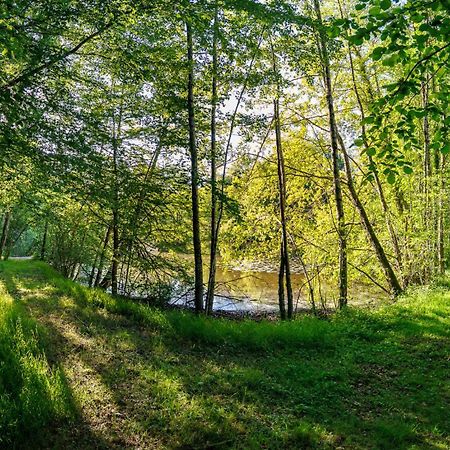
(198, 290)
(325, 60)
(213, 224)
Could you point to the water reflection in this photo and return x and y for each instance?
(257, 291)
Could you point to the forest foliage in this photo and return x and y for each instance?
(309, 134)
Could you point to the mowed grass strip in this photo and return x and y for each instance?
(106, 372)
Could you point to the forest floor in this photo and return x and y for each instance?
(82, 370)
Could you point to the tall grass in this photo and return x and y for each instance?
(248, 334)
(32, 393)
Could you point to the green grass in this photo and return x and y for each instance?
(108, 373)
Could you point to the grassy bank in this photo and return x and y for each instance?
(108, 373)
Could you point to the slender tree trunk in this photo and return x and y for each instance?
(115, 259)
(427, 172)
(390, 275)
(282, 195)
(281, 301)
(5, 231)
(379, 186)
(103, 256)
(93, 269)
(198, 292)
(117, 128)
(219, 199)
(426, 136)
(390, 227)
(440, 231)
(106, 281)
(44, 241)
(343, 266)
(213, 242)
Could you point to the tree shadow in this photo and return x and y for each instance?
(51, 430)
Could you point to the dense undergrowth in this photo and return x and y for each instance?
(360, 379)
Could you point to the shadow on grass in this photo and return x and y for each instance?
(36, 400)
(361, 380)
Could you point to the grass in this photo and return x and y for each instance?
(105, 372)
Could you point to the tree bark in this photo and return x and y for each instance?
(379, 186)
(282, 200)
(213, 242)
(102, 256)
(281, 301)
(343, 266)
(282, 197)
(116, 135)
(198, 265)
(5, 231)
(390, 275)
(44, 241)
(115, 259)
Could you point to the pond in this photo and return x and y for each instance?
(242, 289)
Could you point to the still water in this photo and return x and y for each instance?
(257, 291)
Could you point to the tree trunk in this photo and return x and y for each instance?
(198, 265)
(93, 269)
(373, 238)
(213, 242)
(281, 302)
(117, 128)
(5, 230)
(219, 198)
(379, 186)
(427, 184)
(102, 256)
(115, 258)
(44, 241)
(426, 136)
(106, 282)
(343, 267)
(282, 199)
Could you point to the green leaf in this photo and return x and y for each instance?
(377, 53)
(385, 4)
(371, 151)
(391, 178)
(446, 148)
(369, 120)
(425, 27)
(390, 61)
(408, 170)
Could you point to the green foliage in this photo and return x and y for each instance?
(414, 47)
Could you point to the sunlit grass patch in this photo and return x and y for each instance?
(32, 393)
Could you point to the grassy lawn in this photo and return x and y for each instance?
(80, 369)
